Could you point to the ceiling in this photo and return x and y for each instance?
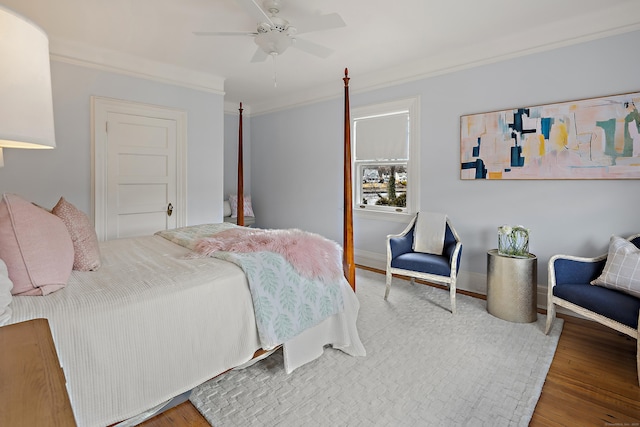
(383, 42)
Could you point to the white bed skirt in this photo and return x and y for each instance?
(338, 330)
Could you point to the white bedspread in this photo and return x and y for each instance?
(145, 327)
(151, 324)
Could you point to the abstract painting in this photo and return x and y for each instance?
(597, 138)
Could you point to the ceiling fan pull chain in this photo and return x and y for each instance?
(275, 70)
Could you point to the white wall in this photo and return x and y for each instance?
(297, 160)
(42, 176)
(296, 168)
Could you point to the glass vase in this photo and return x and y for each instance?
(513, 241)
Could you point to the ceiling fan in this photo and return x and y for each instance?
(275, 34)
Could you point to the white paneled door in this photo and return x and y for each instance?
(138, 169)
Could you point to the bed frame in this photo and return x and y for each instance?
(348, 263)
(348, 249)
(82, 346)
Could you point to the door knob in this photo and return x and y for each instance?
(169, 209)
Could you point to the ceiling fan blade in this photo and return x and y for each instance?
(319, 23)
(253, 9)
(312, 48)
(224, 33)
(259, 56)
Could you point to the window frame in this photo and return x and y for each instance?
(392, 213)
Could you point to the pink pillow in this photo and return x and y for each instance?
(248, 209)
(36, 247)
(85, 240)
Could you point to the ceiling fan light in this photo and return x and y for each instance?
(274, 42)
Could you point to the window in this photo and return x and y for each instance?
(385, 153)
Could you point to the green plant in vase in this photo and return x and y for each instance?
(513, 241)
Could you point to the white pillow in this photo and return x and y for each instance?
(246, 206)
(622, 269)
(5, 294)
(428, 235)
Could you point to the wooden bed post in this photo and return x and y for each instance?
(240, 219)
(348, 262)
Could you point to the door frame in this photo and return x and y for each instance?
(100, 108)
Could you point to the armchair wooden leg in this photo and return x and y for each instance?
(551, 314)
(388, 284)
(452, 296)
(638, 358)
(638, 350)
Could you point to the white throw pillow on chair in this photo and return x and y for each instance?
(428, 234)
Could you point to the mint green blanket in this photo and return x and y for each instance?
(285, 302)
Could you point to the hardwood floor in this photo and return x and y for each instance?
(592, 382)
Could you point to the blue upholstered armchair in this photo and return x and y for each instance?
(570, 287)
(433, 268)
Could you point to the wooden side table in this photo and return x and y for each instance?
(512, 287)
(32, 383)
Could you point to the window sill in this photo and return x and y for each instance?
(403, 217)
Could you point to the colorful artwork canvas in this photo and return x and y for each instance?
(596, 138)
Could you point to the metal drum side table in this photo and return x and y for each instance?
(512, 287)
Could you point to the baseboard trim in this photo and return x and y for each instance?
(468, 281)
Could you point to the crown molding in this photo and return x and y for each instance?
(556, 34)
(121, 63)
(547, 38)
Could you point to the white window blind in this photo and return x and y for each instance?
(382, 137)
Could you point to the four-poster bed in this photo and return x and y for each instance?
(160, 316)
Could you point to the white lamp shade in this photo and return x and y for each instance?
(26, 106)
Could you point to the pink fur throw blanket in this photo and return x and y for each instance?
(312, 255)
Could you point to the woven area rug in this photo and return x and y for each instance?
(424, 367)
